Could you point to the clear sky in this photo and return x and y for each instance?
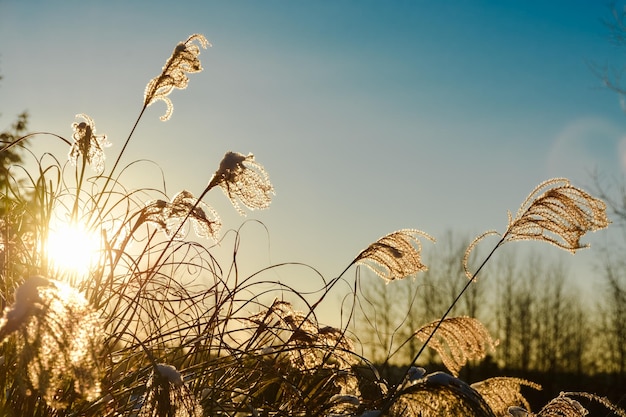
(370, 116)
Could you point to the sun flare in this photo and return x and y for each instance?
(72, 248)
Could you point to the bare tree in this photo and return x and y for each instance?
(539, 316)
(613, 316)
(612, 309)
(378, 316)
(515, 311)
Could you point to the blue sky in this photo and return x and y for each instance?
(369, 116)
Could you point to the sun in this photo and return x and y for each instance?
(72, 248)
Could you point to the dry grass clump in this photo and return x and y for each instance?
(59, 351)
(161, 325)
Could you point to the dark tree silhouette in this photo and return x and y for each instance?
(12, 155)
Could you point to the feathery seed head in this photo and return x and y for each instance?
(563, 406)
(458, 339)
(87, 144)
(244, 180)
(206, 222)
(558, 213)
(502, 393)
(155, 212)
(555, 212)
(396, 255)
(614, 409)
(183, 207)
(184, 60)
(61, 342)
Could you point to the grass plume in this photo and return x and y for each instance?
(396, 255)
(184, 60)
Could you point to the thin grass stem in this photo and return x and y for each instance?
(394, 390)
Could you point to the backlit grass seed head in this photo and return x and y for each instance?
(614, 409)
(558, 213)
(60, 342)
(168, 396)
(27, 302)
(87, 144)
(555, 212)
(458, 339)
(501, 393)
(562, 406)
(396, 255)
(565, 406)
(243, 180)
(184, 207)
(184, 60)
(205, 220)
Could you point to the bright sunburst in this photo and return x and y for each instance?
(72, 248)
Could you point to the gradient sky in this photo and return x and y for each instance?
(369, 116)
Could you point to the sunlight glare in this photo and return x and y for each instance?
(72, 248)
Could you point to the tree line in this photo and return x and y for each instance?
(549, 331)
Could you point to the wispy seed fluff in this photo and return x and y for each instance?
(183, 60)
(558, 213)
(555, 212)
(501, 393)
(458, 339)
(87, 144)
(167, 395)
(243, 180)
(563, 406)
(183, 208)
(396, 255)
(60, 341)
